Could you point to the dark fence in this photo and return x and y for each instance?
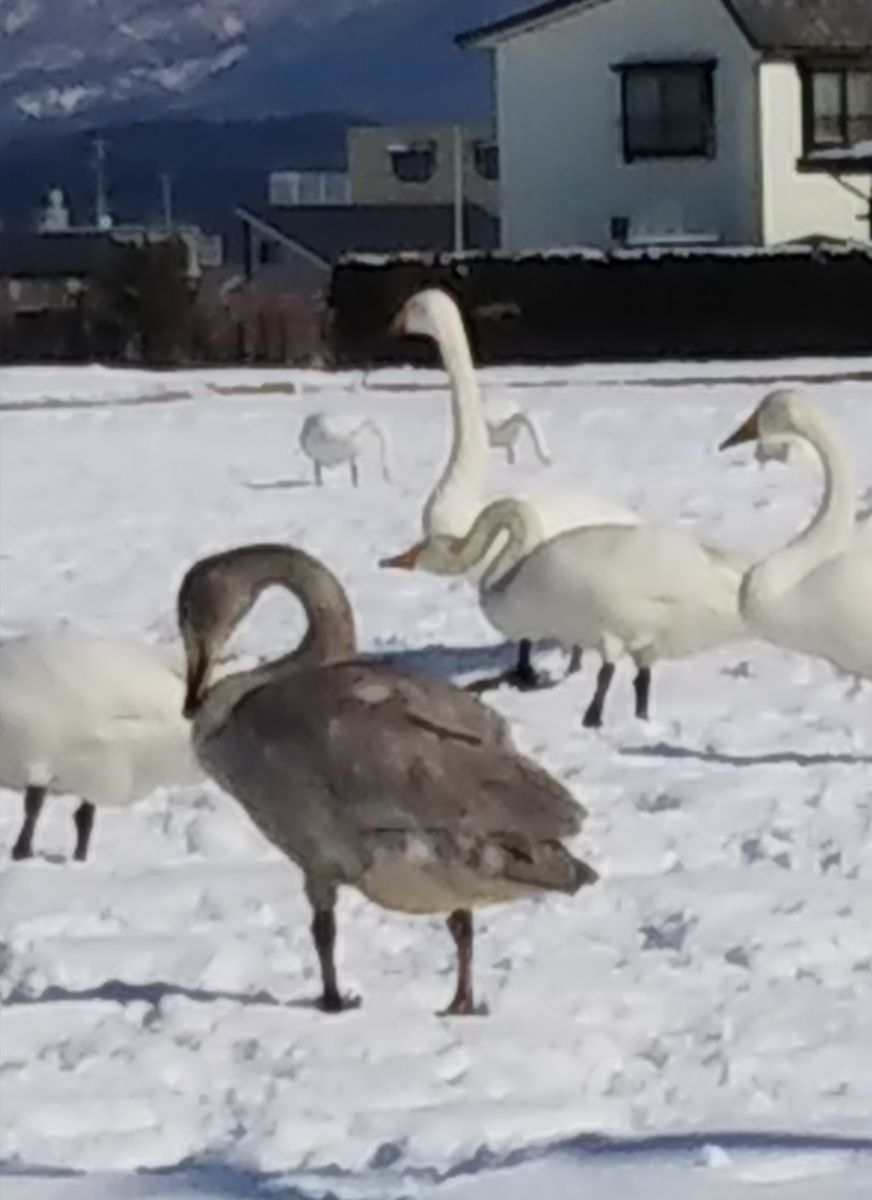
(624, 304)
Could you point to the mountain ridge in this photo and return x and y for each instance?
(105, 61)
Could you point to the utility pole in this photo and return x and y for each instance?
(101, 208)
(166, 191)
(457, 137)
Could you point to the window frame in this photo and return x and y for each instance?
(705, 68)
(842, 67)
(424, 150)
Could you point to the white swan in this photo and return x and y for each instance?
(330, 440)
(641, 590)
(459, 494)
(100, 718)
(505, 422)
(814, 594)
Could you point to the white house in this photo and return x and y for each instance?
(645, 121)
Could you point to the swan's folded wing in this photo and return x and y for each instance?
(387, 760)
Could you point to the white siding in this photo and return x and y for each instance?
(563, 176)
(799, 203)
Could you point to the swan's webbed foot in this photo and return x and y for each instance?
(523, 675)
(464, 1006)
(524, 681)
(335, 1002)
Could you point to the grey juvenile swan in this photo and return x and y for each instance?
(363, 774)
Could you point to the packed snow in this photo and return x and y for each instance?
(699, 1023)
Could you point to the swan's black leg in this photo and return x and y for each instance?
(523, 675)
(83, 819)
(33, 799)
(355, 476)
(324, 936)
(322, 897)
(463, 1004)
(574, 661)
(319, 475)
(642, 688)
(593, 718)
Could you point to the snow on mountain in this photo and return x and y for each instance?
(108, 59)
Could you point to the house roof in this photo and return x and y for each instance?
(789, 27)
(54, 255)
(327, 232)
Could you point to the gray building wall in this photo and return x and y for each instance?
(379, 155)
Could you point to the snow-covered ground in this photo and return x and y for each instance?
(700, 1023)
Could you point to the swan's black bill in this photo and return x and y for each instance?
(196, 677)
(748, 431)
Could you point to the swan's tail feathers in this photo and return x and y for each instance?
(547, 865)
(381, 436)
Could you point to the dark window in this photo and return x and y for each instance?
(668, 110)
(838, 106)
(414, 163)
(486, 157)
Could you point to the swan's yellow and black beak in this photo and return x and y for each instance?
(748, 431)
(198, 670)
(407, 561)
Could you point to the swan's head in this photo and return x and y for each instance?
(424, 313)
(212, 601)
(777, 425)
(437, 554)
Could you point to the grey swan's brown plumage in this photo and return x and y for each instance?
(396, 783)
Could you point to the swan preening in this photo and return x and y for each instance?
(814, 594)
(648, 592)
(330, 440)
(96, 717)
(459, 494)
(392, 782)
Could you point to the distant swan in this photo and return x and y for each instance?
(814, 594)
(459, 494)
(645, 591)
(396, 783)
(96, 717)
(506, 422)
(330, 440)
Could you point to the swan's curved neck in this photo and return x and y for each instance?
(465, 471)
(833, 525)
(510, 516)
(330, 633)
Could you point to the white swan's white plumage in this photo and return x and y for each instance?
(814, 594)
(505, 422)
(330, 440)
(645, 591)
(100, 718)
(460, 492)
(459, 495)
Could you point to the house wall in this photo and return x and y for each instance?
(373, 181)
(798, 203)
(287, 270)
(563, 176)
